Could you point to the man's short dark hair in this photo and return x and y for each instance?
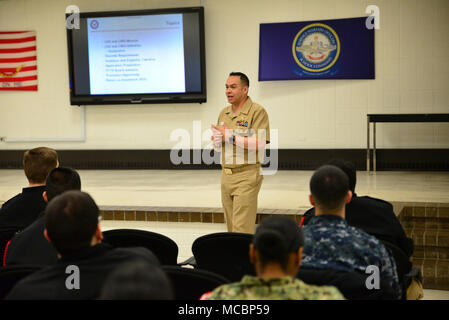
(71, 220)
(347, 167)
(329, 186)
(38, 162)
(243, 78)
(60, 180)
(137, 280)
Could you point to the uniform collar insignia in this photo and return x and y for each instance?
(245, 109)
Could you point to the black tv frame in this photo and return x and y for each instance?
(195, 97)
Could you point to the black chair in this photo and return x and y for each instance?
(10, 275)
(351, 284)
(403, 266)
(6, 234)
(191, 284)
(224, 253)
(164, 248)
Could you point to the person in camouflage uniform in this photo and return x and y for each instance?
(285, 288)
(330, 243)
(276, 254)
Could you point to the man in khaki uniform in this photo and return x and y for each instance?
(242, 132)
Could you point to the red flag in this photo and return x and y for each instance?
(18, 64)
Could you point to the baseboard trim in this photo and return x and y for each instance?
(288, 159)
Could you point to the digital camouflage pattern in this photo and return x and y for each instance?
(286, 288)
(330, 243)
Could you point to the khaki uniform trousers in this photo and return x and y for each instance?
(239, 191)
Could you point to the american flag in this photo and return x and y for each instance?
(18, 65)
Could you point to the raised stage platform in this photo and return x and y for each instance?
(201, 188)
(194, 195)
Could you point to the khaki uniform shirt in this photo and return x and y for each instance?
(285, 288)
(252, 121)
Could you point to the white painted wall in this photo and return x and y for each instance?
(412, 76)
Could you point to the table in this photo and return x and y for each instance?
(406, 117)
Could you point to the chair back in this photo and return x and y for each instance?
(164, 248)
(11, 275)
(191, 284)
(6, 234)
(403, 264)
(224, 253)
(351, 284)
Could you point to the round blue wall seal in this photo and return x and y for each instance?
(316, 47)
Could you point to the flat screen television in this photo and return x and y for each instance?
(133, 57)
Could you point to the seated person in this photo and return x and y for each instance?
(276, 254)
(330, 243)
(23, 209)
(374, 216)
(72, 226)
(137, 280)
(30, 245)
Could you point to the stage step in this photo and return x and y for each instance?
(428, 225)
(186, 214)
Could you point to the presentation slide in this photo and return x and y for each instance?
(136, 54)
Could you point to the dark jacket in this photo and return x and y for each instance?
(94, 263)
(375, 217)
(31, 247)
(23, 209)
